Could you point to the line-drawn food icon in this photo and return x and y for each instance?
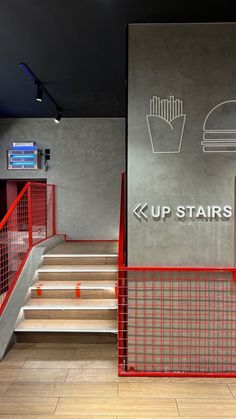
(219, 129)
(166, 122)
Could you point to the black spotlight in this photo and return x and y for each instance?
(41, 90)
(58, 116)
(39, 96)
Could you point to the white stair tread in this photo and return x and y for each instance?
(70, 304)
(78, 268)
(71, 285)
(92, 255)
(70, 325)
(85, 248)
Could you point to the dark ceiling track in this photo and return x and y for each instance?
(41, 89)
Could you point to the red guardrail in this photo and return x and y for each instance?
(175, 321)
(29, 221)
(121, 274)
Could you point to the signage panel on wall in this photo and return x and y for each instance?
(23, 156)
(183, 212)
(181, 181)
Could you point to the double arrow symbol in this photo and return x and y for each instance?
(139, 211)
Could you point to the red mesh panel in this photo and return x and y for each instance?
(174, 321)
(42, 211)
(177, 321)
(30, 220)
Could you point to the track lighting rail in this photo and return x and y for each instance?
(41, 89)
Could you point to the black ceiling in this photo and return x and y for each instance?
(78, 49)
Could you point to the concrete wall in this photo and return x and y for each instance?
(197, 64)
(87, 158)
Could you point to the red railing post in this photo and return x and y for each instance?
(121, 278)
(30, 224)
(121, 249)
(53, 209)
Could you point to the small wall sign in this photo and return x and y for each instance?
(23, 156)
(182, 212)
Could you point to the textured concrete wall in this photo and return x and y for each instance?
(197, 64)
(87, 158)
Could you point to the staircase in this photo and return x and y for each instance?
(75, 290)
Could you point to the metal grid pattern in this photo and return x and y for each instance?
(177, 321)
(42, 211)
(174, 321)
(29, 220)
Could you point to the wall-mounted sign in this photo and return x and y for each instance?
(182, 212)
(166, 122)
(23, 156)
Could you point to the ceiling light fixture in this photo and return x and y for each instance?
(58, 116)
(42, 90)
(39, 95)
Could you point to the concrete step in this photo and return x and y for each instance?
(83, 259)
(77, 272)
(74, 289)
(85, 247)
(66, 308)
(74, 292)
(67, 326)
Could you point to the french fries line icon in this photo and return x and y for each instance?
(167, 109)
(166, 122)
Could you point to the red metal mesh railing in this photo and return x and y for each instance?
(42, 211)
(174, 321)
(30, 220)
(177, 322)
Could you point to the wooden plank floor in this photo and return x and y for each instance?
(79, 380)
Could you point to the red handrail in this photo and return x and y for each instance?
(178, 268)
(29, 220)
(121, 246)
(13, 205)
(121, 275)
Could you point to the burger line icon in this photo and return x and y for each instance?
(166, 122)
(219, 128)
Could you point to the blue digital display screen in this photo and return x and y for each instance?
(20, 163)
(24, 148)
(23, 157)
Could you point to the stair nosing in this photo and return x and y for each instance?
(35, 288)
(27, 308)
(37, 304)
(47, 270)
(80, 255)
(115, 331)
(47, 326)
(68, 308)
